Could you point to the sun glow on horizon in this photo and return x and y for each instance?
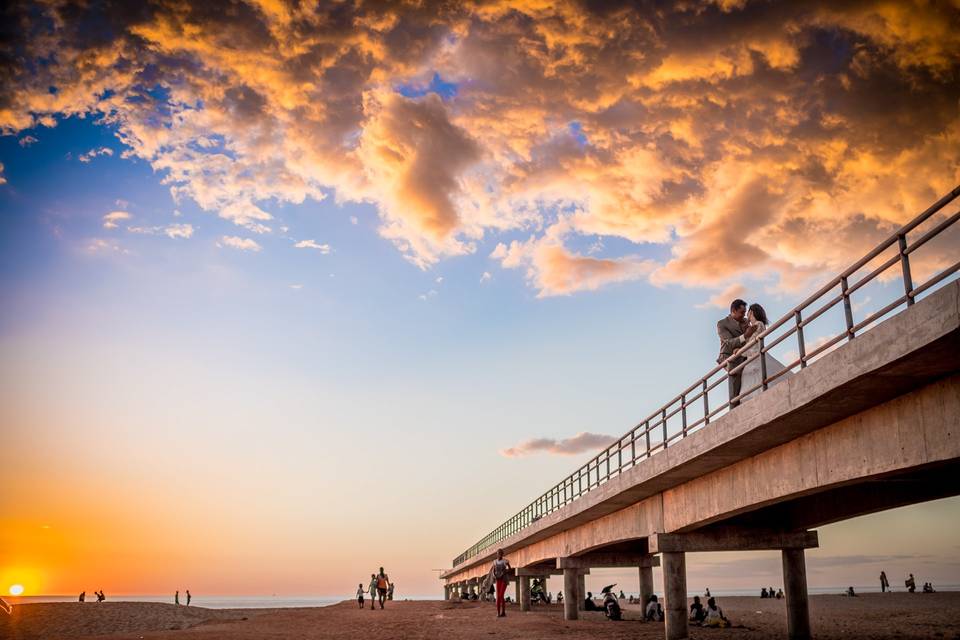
(16, 589)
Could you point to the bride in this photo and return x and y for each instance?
(752, 375)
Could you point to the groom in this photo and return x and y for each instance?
(730, 330)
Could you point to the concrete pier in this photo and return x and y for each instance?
(524, 593)
(571, 594)
(675, 594)
(646, 583)
(795, 590)
(581, 591)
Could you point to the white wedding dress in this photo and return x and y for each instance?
(752, 375)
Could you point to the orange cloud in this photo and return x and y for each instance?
(580, 443)
(763, 141)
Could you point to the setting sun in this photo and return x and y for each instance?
(16, 589)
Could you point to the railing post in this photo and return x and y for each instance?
(905, 268)
(803, 349)
(663, 419)
(683, 412)
(646, 430)
(706, 404)
(847, 309)
(763, 366)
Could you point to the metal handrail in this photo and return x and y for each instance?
(651, 435)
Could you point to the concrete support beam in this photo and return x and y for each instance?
(607, 560)
(581, 591)
(732, 539)
(795, 590)
(516, 585)
(571, 595)
(537, 572)
(675, 592)
(646, 583)
(524, 583)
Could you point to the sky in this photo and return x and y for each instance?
(290, 292)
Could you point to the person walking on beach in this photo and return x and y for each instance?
(188, 597)
(383, 584)
(498, 574)
(372, 588)
(176, 597)
(390, 591)
(884, 583)
(731, 331)
(83, 596)
(360, 595)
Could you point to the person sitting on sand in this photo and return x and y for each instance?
(779, 594)
(83, 596)
(714, 617)
(653, 611)
(928, 587)
(622, 597)
(360, 595)
(697, 612)
(372, 589)
(763, 593)
(589, 604)
(910, 584)
(851, 592)
(100, 596)
(383, 584)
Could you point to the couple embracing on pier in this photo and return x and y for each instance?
(738, 333)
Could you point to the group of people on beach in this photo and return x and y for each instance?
(380, 589)
(176, 597)
(99, 594)
(769, 593)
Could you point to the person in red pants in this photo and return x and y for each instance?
(498, 572)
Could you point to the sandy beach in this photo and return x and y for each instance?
(874, 616)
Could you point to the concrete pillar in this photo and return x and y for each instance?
(524, 582)
(572, 598)
(581, 591)
(446, 592)
(543, 584)
(675, 592)
(795, 590)
(516, 590)
(646, 584)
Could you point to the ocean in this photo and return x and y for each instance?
(210, 602)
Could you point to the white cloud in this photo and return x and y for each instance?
(313, 244)
(242, 244)
(427, 295)
(110, 220)
(296, 286)
(3, 179)
(93, 153)
(580, 443)
(26, 141)
(178, 231)
(439, 279)
(486, 277)
(354, 220)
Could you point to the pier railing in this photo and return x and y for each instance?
(692, 409)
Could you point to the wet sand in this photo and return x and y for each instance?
(873, 616)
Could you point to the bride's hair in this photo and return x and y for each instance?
(759, 313)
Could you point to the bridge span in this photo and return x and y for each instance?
(859, 422)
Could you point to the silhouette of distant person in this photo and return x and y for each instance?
(390, 592)
(910, 583)
(707, 593)
(83, 596)
(176, 597)
(383, 585)
(372, 588)
(360, 595)
(884, 583)
(697, 612)
(189, 597)
(589, 604)
(100, 596)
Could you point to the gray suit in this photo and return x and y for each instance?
(730, 333)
